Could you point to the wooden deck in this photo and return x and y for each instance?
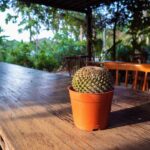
(35, 114)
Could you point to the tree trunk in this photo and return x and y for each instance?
(30, 34)
(114, 43)
(104, 39)
(81, 33)
(30, 30)
(89, 32)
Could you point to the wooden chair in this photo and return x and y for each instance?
(136, 69)
(113, 66)
(137, 72)
(145, 68)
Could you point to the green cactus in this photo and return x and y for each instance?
(92, 79)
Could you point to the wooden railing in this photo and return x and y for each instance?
(136, 70)
(73, 63)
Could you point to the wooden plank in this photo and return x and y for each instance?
(35, 113)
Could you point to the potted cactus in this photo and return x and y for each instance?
(91, 97)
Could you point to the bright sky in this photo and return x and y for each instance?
(11, 29)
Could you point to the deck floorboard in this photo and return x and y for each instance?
(35, 114)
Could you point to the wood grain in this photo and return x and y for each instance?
(35, 114)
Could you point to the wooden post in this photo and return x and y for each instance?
(89, 32)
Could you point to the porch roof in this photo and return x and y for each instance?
(73, 5)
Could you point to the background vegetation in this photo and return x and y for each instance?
(120, 30)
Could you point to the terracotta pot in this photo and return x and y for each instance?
(91, 111)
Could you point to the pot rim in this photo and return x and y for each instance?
(70, 88)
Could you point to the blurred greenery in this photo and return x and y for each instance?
(49, 55)
(120, 30)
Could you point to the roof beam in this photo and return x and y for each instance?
(71, 5)
(54, 4)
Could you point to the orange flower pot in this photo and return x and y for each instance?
(91, 111)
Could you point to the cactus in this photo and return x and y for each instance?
(91, 79)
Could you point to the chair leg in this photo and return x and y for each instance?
(117, 77)
(144, 84)
(126, 78)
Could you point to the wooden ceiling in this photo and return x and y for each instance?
(74, 5)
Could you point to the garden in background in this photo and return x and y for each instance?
(121, 30)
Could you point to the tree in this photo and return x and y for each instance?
(3, 5)
(113, 16)
(139, 24)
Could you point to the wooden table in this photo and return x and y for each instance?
(35, 114)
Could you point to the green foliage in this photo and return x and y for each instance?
(20, 55)
(3, 5)
(49, 54)
(63, 46)
(44, 61)
(97, 45)
(124, 52)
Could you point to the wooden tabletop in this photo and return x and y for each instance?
(35, 114)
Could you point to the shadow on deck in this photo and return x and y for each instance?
(130, 116)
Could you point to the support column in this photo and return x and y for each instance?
(89, 32)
